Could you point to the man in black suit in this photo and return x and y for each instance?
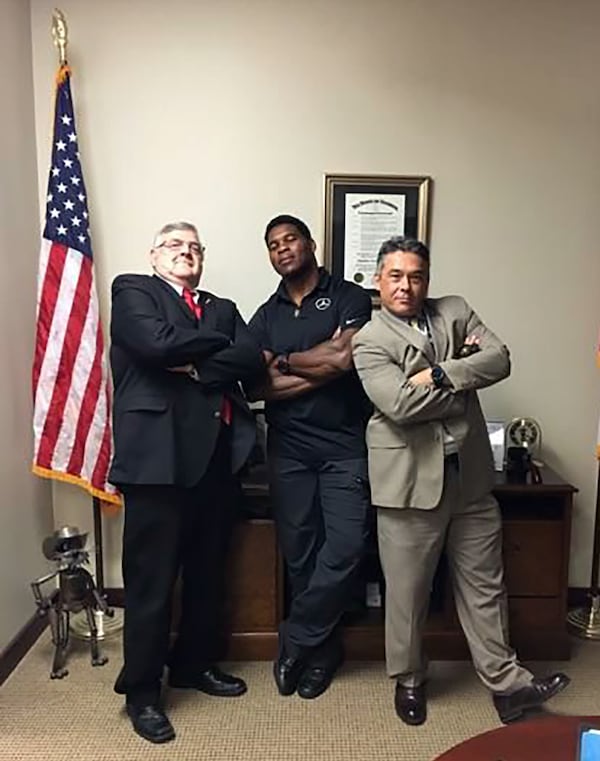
(182, 429)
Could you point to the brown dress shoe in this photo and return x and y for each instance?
(411, 704)
(512, 707)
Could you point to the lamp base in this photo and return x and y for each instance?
(585, 622)
(108, 626)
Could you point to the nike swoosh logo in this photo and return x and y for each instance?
(349, 322)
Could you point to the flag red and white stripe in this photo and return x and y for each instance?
(71, 416)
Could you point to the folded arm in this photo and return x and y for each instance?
(239, 361)
(325, 361)
(273, 385)
(309, 369)
(483, 368)
(138, 328)
(391, 391)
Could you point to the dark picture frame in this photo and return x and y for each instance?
(361, 211)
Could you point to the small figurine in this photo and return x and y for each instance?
(76, 592)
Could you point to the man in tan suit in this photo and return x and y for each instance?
(421, 362)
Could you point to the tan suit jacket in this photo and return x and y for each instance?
(405, 433)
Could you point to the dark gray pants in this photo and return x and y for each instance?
(321, 513)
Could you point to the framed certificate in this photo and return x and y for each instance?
(362, 211)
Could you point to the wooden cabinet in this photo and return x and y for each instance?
(536, 535)
(530, 551)
(255, 604)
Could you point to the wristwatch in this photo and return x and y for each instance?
(283, 364)
(438, 376)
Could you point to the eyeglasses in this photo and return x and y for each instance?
(176, 245)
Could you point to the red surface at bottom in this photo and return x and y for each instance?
(552, 738)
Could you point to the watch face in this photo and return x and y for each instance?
(524, 432)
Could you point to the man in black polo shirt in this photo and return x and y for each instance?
(316, 413)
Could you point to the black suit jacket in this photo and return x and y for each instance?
(166, 424)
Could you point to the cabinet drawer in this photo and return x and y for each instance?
(533, 557)
(527, 613)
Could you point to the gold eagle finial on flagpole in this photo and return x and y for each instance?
(60, 34)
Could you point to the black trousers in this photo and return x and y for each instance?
(321, 515)
(168, 530)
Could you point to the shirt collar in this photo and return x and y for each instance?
(422, 319)
(322, 285)
(176, 287)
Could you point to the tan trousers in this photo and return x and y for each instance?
(410, 543)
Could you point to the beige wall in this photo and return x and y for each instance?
(227, 113)
(25, 505)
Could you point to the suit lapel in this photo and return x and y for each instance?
(411, 335)
(209, 310)
(439, 333)
(171, 294)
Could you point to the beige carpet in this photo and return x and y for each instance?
(81, 718)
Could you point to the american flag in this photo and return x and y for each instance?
(71, 414)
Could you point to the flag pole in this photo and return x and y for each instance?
(98, 547)
(585, 621)
(79, 626)
(595, 592)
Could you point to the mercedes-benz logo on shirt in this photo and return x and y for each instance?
(322, 304)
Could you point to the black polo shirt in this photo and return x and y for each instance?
(329, 422)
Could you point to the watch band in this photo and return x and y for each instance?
(283, 364)
(438, 376)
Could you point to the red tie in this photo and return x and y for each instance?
(188, 297)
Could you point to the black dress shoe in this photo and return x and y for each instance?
(151, 723)
(511, 707)
(313, 681)
(287, 672)
(212, 681)
(411, 704)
